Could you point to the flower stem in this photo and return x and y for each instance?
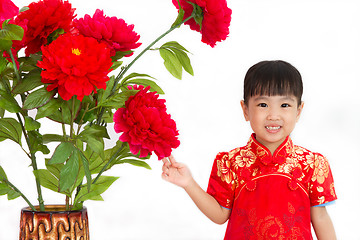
(14, 65)
(72, 118)
(67, 203)
(113, 157)
(33, 164)
(32, 155)
(18, 191)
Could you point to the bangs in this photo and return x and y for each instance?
(273, 78)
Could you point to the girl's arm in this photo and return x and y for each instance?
(322, 224)
(180, 175)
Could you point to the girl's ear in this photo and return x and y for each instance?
(245, 110)
(299, 110)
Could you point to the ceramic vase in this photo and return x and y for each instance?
(54, 223)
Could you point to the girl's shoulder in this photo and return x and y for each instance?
(302, 151)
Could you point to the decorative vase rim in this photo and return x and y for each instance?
(54, 208)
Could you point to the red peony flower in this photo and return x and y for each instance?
(145, 125)
(75, 65)
(216, 19)
(41, 19)
(7, 10)
(113, 31)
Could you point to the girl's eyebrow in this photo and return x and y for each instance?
(283, 98)
(288, 98)
(259, 98)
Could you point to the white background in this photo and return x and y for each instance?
(321, 38)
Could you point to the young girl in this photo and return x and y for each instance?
(270, 188)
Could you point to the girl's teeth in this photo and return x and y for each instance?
(273, 128)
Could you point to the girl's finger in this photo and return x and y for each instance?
(172, 159)
(165, 160)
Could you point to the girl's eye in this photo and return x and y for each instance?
(262, 105)
(284, 105)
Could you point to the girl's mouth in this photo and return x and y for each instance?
(271, 128)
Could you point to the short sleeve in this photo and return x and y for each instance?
(222, 181)
(322, 188)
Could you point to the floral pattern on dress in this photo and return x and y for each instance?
(269, 228)
(272, 227)
(225, 171)
(244, 159)
(321, 171)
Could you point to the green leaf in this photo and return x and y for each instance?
(69, 173)
(109, 86)
(184, 60)
(31, 124)
(137, 163)
(120, 54)
(103, 183)
(48, 109)
(146, 82)
(23, 9)
(85, 163)
(116, 101)
(135, 75)
(55, 169)
(47, 138)
(116, 64)
(29, 64)
(94, 137)
(180, 16)
(29, 82)
(37, 98)
(5, 45)
(11, 32)
(97, 145)
(2, 174)
(10, 129)
(174, 44)
(180, 53)
(3, 63)
(171, 62)
(47, 179)
(62, 153)
(12, 194)
(64, 114)
(97, 163)
(4, 189)
(8, 102)
(36, 143)
(54, 35)
(94, 131)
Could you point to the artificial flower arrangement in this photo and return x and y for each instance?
(65, 76)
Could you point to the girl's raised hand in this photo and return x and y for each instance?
(176, 173)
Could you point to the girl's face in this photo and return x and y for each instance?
(272, 118)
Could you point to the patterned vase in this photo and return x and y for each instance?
(54, 223)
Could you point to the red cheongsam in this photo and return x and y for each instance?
(270, 195)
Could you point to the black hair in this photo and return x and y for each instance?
(273, 78)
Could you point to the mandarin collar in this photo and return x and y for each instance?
(264, 154)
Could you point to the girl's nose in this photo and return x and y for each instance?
(273, 114)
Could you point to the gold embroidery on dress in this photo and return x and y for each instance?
(245, 158)
(290, 164)
(321, 200)
(332, 189)
(321, 170)
(225, 172)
